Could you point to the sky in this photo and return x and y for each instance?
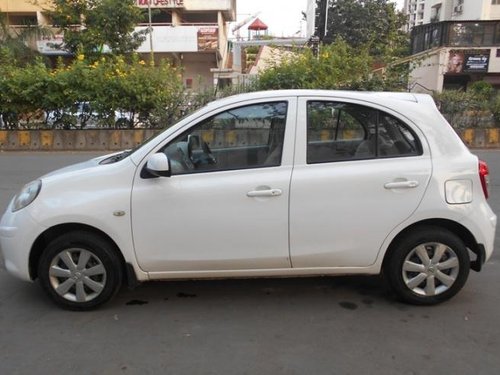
(283, 17)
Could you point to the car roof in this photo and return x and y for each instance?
(363, 95)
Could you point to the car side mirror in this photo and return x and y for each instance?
(158, 165)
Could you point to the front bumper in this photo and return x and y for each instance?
(18, 232)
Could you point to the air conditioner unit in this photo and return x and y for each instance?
(458, 9)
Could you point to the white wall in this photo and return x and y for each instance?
(495, 12)
(471, 10)
(196, 66)
(430, 70)
(207, 5)
(171, 39)
(494, 66)
(429, 73)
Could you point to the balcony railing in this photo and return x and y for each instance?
(200, 24)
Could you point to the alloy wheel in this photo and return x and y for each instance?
(77, 275)
(430, 269)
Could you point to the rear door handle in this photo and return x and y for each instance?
(265, 193)
(401, 185)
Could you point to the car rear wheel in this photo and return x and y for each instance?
(428, 266)
(80, 271)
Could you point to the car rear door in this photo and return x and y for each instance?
(359, 172)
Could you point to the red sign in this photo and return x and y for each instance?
(161, 3)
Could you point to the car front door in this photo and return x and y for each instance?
(359, 172)
(225, 207)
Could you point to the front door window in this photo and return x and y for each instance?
(241, 138)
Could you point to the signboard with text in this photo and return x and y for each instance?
(160, 3)
(181, 39)
(52, 46)
(477, 62)
(468, 61)
(171, 39)
(208, 38)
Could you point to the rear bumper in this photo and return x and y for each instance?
(482, 224)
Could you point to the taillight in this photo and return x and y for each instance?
(484, 175)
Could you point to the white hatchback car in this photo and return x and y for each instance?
(282, 183)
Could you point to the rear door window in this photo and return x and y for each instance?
(339, 131)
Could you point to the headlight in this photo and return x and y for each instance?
(27, 195)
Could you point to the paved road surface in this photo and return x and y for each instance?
(343, 325)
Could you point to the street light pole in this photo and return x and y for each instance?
(151, 51)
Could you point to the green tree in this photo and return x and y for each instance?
(92, 25)
(337, 66)
(376, 23)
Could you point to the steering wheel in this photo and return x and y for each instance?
(208, 153)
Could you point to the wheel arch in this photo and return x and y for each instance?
(53, 232)
(456, 228)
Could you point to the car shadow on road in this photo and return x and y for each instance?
(349, 292)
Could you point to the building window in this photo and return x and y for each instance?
(473, 34)
(22, 19)
(455, 34)
(436, 13)
(199, 18)
(158, 16)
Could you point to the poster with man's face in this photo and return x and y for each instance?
(468, 61)
(455, 62)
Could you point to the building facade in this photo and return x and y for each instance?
(190, 33)
(454, 43)
(422, 12)
(453, 54)
(414, 10)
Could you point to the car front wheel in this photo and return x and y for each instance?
(80, 271)
(428, 266)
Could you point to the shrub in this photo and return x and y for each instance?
(109, 87)
(476, 107)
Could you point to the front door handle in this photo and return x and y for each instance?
(265, 193)
(401, 185)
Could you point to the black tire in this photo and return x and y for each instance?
(90, 284)
(440, 278)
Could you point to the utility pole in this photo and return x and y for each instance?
(152, 54)
(321, 19)
(326, 19)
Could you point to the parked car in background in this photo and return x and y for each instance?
(83, 116)
(277, 183)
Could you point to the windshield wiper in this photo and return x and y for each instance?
(117, 157)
